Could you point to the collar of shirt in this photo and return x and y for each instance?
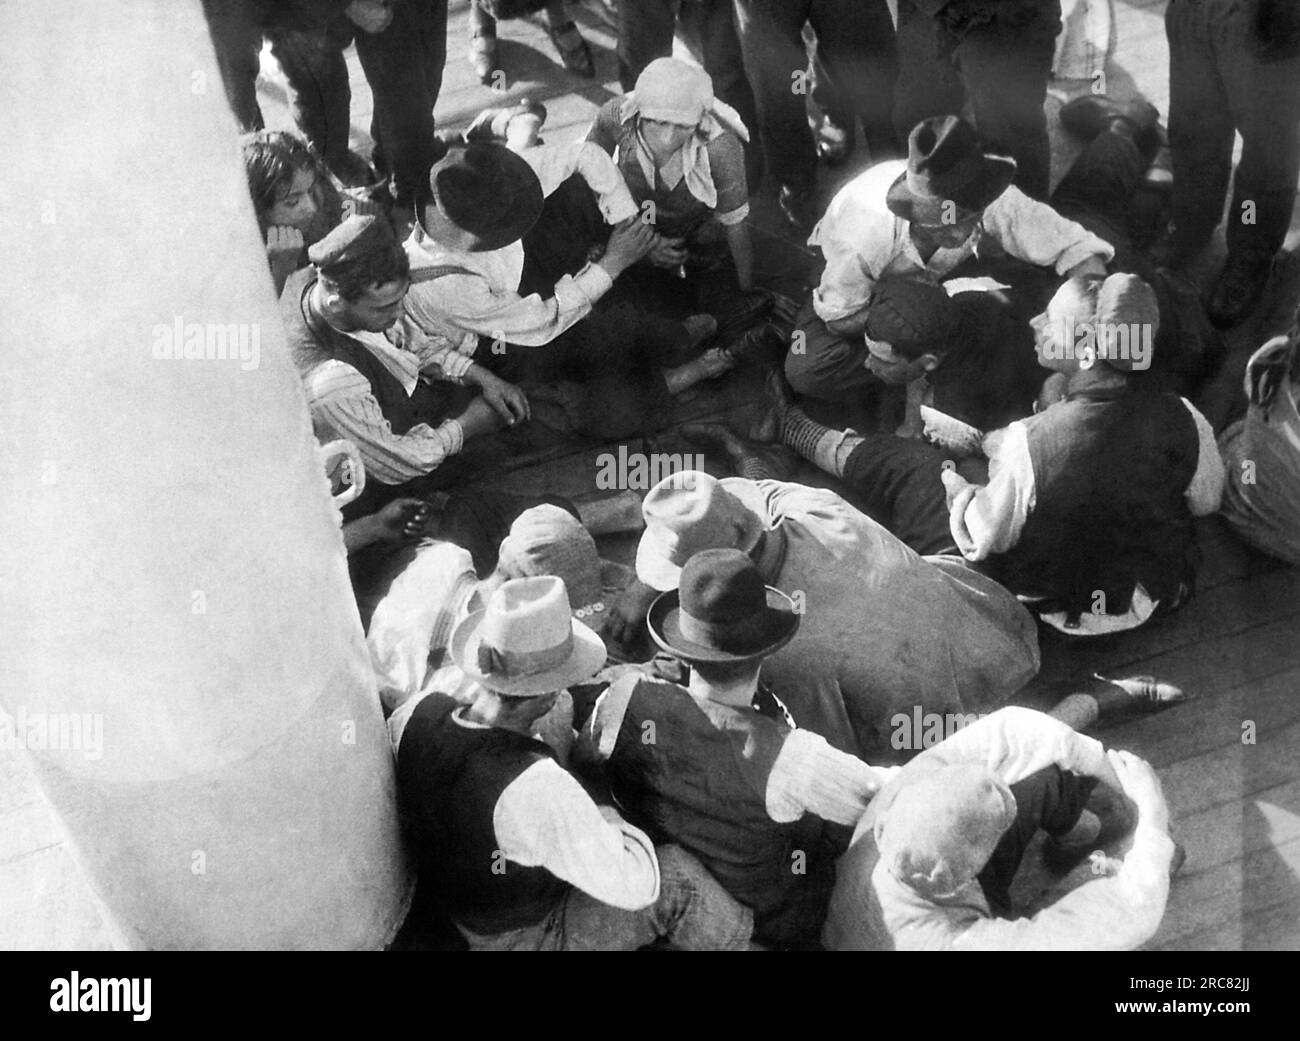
(691, 162)
(500, 268)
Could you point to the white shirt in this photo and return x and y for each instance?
(544, 818)
(1120, 912)
(862, 240)
(988, 519)
(342, 405)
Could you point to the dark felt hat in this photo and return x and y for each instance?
(722, 611)
(354, 237)
(481, 197)
(946, 164)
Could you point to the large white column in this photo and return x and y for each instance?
(171, 570)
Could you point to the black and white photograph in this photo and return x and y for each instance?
(619, 475)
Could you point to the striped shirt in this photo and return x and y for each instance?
(342, 405)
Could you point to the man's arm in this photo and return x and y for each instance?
(810, 776)
(987, 519)
(545, 819)
(1033, 231)
(554, 164)
(1017, 742)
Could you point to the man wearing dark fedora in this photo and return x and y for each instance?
(468, 256)
(508, 844)
(886, 630)
(717, 766)
(941, 212)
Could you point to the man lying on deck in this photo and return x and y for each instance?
(886, 629)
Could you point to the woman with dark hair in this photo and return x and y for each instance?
(296, 199)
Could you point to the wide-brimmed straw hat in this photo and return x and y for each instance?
(947, 164)
(722, 611)
(526, 642)
(481, 197)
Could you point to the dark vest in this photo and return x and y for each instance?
(701, 783)
(1110, 472)
(313, 340)
(450, 778)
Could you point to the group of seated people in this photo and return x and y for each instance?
(1029, 463)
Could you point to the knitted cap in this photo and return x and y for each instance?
(1127, 320)
(547, 540)
(911, 316)
(939, 830)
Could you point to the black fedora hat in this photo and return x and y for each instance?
(946, 164)
(722, 611)
(480, 197)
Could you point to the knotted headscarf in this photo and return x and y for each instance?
(674, 92)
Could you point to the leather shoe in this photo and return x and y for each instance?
(1239, 287)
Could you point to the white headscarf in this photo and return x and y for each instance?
(674, 92)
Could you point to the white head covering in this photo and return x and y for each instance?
(673, 91)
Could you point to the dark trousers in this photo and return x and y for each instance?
(1000, 66)
(645, 32)
(1050, 800)
(312, 62)
(320, 96)
(403, 65)
(896, 482)
(824, 365)
(1099, 191)
(1218, 87)
(857, 66)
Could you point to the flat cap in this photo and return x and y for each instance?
(354, 237)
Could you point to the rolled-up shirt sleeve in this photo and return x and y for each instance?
(810, 776)
(554, 164)
(341, 401)
(1106, 914)
(1033, 231)
(545, 819)
(988, 519)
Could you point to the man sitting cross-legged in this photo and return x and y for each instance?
(408, 403)
(719, 767)
(886, 629)
(932, 860)
(514, 848)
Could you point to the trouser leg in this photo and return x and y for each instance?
(710, 30)
(1200, 125)
(856, 51)
(928, 84)
(645, 32)
(1051, 799)
(403, 65)
(772, 44)
(1098, 187)
(1264, 100)
(898, 482)
(236, 32)
(1005, 69)
(319, 93)
(823, 365)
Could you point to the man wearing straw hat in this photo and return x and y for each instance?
(510, 843)
(717, 767)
